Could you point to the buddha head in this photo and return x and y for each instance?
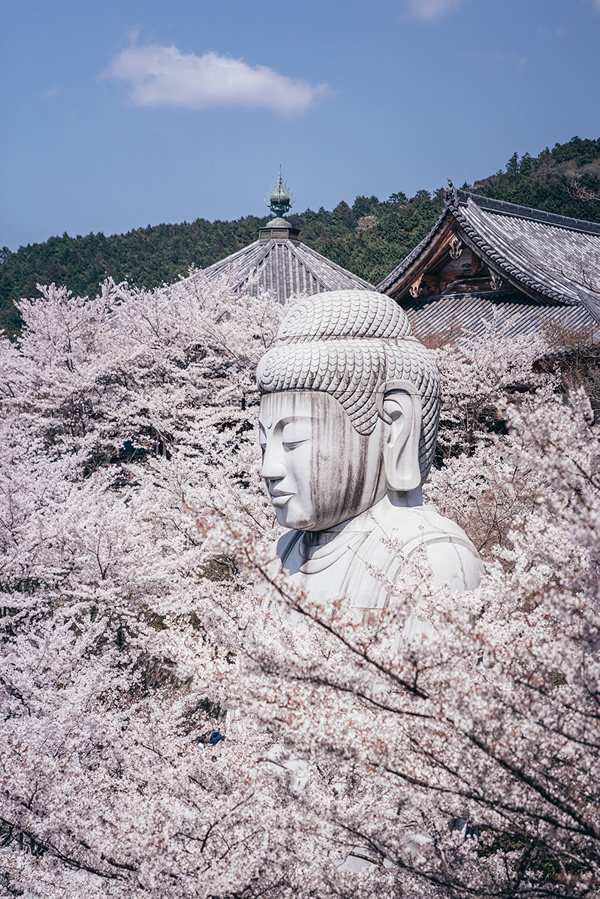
(349, 409)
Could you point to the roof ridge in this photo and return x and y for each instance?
(233, 256)
(499, 294)
(296, 251)
(514, 209)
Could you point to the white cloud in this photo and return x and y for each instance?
(163, 76)
(428, 10)
(596, 4)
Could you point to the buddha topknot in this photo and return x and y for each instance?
(349, 343)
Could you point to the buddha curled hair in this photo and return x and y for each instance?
(349, 343)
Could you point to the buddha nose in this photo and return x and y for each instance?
(273, 468)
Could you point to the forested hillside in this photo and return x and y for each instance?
(368, 238)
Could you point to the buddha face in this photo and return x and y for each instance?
(318, 469)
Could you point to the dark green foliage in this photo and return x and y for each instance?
(398, 198)
(564, 180)
(369, 238)
(512, 166)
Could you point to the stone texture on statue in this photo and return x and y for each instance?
(348, 423)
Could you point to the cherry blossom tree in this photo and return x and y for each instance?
(133, 537)
(116, 412)
(466, 764)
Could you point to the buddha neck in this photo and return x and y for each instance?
(312, 540)
(404, 497)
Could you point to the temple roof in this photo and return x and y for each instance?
(448, 315)
(279, 263)
(483, 253)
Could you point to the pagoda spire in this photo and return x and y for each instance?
(280, 200)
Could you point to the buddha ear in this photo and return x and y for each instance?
(400, 408)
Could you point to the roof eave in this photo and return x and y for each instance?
(591, 301)
(496, 262)
(410, 264)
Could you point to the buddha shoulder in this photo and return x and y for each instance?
(452, 557)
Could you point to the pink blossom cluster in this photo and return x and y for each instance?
(133, 537)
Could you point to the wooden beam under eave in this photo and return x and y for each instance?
(508, 277)
(434, 258)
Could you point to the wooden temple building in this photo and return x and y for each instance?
(484, 256)
(279, 263)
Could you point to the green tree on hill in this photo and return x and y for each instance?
(564, 180)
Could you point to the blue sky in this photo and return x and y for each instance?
(117, 115)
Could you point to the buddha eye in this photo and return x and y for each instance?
(292, 444)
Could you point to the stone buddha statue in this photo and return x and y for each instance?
(348, 422)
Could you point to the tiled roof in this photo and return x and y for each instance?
(550, 254)
(460, 313)
(285, 267)
(547, 256)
